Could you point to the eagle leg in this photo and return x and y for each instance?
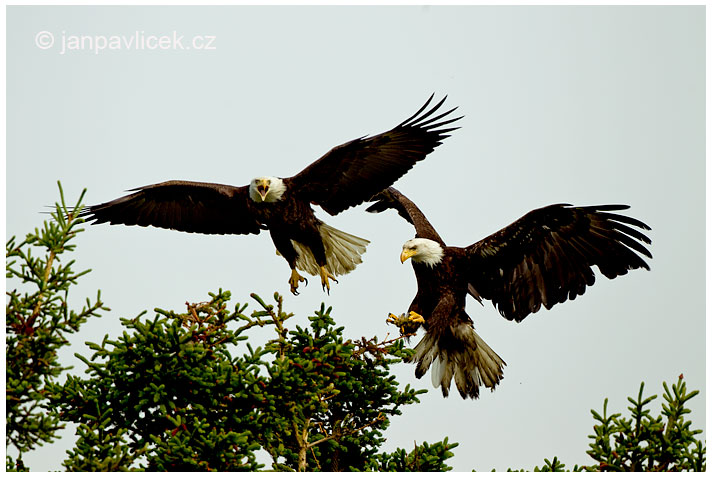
(294, 281)
(325, 276)
(406, 324)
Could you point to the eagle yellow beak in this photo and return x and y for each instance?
(406, 254)
(263, 188)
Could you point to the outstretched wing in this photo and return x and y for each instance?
(353, 172)
(547, 256)
(181, 205)
(391, 198)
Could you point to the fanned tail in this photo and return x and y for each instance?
(459, 353)
(343, 252)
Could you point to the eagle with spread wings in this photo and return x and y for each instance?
(346, 176)
(543, 258)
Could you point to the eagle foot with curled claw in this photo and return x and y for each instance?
(407, 324)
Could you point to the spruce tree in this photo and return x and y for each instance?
(38, 320)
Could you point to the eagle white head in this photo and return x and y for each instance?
(422, 250)
(267, 189)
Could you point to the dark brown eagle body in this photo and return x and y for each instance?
(543, 258)
(438, 284)
(344, 177)
(292, 219)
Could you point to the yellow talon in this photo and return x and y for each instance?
(415, 317)
(294, 281)
(325, 276)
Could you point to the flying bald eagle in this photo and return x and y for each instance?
(346, 176)
(543, 258)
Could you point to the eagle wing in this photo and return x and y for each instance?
(391, 198)
(181, 205)
(546, 256)
(353, 172)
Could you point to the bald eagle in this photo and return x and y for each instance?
(543, 258)
(345, 176)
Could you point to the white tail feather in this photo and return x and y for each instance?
(436, 372)
(343, 252)
(461, 354)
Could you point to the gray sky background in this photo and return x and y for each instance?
(585, 105)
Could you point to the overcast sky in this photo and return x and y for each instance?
(585, 105)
